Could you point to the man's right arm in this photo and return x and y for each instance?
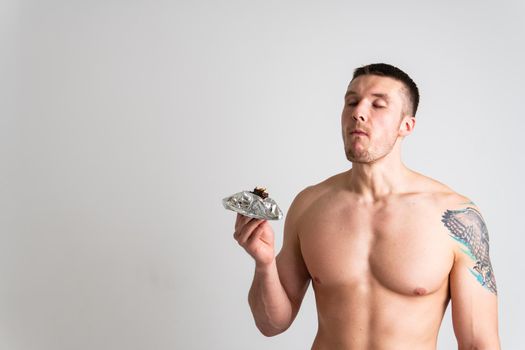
(279, 283)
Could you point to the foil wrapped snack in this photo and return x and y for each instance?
(255, 204)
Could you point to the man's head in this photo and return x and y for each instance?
(410, 89)
(381, 101)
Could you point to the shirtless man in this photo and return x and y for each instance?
(385, 247)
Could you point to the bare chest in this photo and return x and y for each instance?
(400, 247)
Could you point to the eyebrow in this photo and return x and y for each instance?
(383, 96)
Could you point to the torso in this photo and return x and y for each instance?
(379, 270)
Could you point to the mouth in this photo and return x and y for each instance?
(359, 132)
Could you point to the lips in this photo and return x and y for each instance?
(358, 132)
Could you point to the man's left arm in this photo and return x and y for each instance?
(472, 281)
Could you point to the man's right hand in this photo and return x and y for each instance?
(256, 237)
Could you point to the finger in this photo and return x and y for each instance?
(240, 225)
(247, 230)
(237, 220)
(240, 221)
(257, 233)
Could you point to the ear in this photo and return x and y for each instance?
(407, 125)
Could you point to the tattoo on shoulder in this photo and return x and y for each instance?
(468, 227)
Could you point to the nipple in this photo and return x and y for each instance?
(420, 291)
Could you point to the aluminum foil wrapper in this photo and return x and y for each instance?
(250, 204)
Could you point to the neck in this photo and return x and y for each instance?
(380, 178)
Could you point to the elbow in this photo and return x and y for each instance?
(269, 328)
(270, 324)
(493, 344)
(269, 331)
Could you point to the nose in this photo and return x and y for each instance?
(359, 117)
(359, 113)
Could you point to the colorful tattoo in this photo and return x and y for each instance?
(467, 227)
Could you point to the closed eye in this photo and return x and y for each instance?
(379, 104)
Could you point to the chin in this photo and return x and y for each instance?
(362, 158)
(362, 161)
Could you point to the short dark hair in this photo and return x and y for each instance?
(387, 70)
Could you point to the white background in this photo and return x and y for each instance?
(124, 123)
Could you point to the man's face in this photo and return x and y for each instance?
(375, 105)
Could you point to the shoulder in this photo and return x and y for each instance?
(442, 195)
(310, 195)
(447, 206)
(460, 217)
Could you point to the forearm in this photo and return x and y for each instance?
(270, 305)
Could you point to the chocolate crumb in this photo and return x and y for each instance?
(261, 192)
